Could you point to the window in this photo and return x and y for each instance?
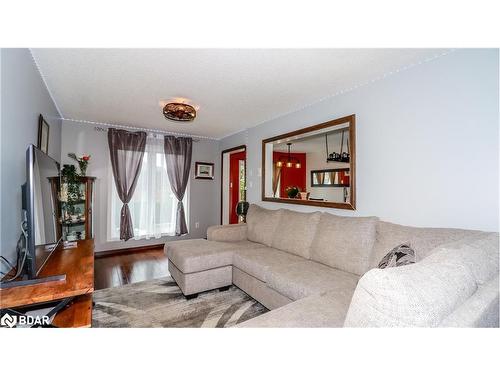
(153, 206)
(242, 191)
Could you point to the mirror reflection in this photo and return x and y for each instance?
(312, 166)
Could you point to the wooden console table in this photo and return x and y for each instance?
(77, 264)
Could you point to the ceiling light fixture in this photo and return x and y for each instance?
(179, 112)
(290, 161)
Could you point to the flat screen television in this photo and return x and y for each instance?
(43, 181)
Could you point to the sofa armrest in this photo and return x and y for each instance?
(227, 233)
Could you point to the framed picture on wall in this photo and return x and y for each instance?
(203, 170)
(43, 134)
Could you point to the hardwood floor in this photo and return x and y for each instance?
(125, 268)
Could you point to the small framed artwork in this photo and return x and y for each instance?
(43, 134)
(203, 170)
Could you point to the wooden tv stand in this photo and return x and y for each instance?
(77, 264)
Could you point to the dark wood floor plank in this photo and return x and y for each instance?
(115, 270)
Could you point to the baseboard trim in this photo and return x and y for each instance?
(128, 250)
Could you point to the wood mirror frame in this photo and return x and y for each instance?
(351, 120)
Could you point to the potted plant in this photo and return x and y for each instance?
(83, 162)
(292, 191)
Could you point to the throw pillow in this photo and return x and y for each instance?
(401, 255)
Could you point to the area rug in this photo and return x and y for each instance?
(160, 303)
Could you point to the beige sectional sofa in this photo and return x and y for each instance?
(320, 270)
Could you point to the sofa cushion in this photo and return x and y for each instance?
(321, 310)
(303, 279)
(417, 295)
(480, 310)
(423, 240)
(259, 290)
(227, 233)
(261, 224)
(196, 282)
(247, 245)
(345, 243)
(199, 255)
(479, 253)
(295, 232)
(256, 262)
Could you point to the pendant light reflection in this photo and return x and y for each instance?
(290, 161)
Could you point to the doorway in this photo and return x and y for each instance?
(233, 187)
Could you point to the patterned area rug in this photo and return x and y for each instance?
(160, 303)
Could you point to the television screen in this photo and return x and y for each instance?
(43, 184)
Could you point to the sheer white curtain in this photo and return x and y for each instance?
(153, 205)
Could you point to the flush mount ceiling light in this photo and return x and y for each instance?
(179, 112)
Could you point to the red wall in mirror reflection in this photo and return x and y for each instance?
(291, 176)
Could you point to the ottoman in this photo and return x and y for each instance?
(199, 265)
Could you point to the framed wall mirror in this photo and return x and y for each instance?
(314, 166)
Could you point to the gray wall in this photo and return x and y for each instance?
(427, 143)
(204, 203)
(24, 96)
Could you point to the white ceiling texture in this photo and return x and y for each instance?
(234, 89)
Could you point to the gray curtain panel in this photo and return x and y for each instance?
(276, 179)
(178, 152)
(126, 150)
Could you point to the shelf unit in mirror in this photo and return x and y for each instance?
(75, 213)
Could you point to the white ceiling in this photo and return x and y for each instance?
(234, 88)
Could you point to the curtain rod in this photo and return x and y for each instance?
(149, 134)
(101, 126)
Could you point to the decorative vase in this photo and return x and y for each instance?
(304, 195)
(242, 209)
(83, 168)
